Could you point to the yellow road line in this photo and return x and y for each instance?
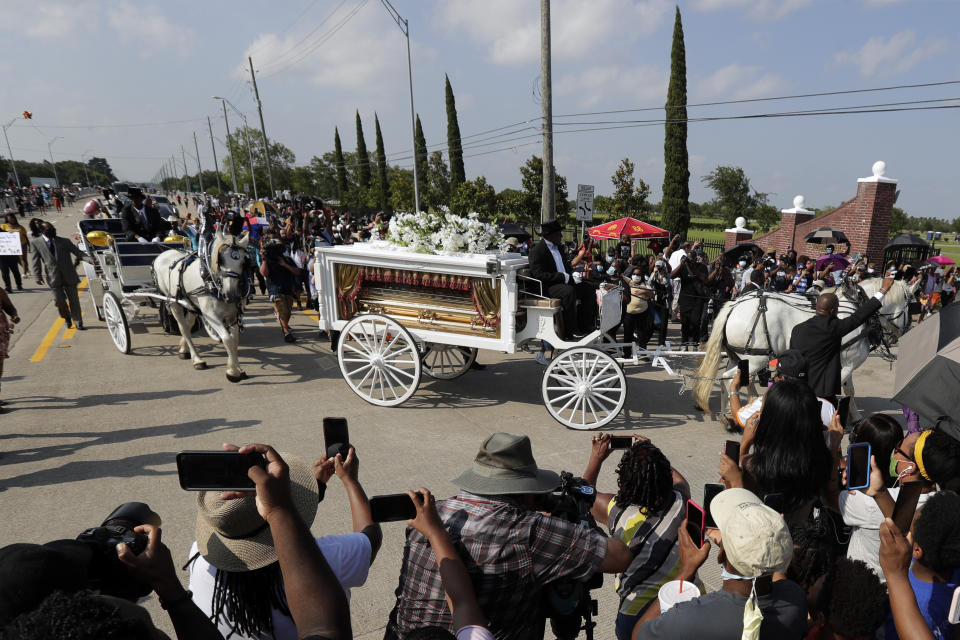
(72, 331)
(51, 335)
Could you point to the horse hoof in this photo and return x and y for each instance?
(183, 356)
(199, 366)
(242, 376)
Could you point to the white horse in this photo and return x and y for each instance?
(178, 276)
(743, 332)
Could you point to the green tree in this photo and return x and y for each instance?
(101, 168)
(675, 211)
(898, 221)
(735, 197)
(438, 190)
(454, 147)
(383, 185)
(401, 189)
(512, 203)
(341, 168)
(420, 158)
(475, 195)
(629, 194)
(531, 179)
(363, 160)
(282, 160)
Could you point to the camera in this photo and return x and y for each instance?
(106, 573)
(273, 249)
(567, 602)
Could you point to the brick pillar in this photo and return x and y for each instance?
(788, 229)
(734, 237)
(868, 225)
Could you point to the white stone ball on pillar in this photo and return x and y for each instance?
(799, 202)
(740, 222)
(879, 168)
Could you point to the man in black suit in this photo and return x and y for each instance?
(549, 265)
(140, 222)
(820, 339)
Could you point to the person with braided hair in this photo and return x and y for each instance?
(646, 514)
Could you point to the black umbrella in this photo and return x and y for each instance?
(733, 253)
(928, 366)
(907, 240)
(826, 235)
(513, 230)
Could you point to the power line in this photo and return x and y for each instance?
(280, 58)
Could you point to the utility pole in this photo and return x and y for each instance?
(186, 172)
(548, 207)
(213, 148)
(85, 173)
(233, 156)
(50, 149)
(13, 163)
(199, 168)
(263, 129)
(253, 176)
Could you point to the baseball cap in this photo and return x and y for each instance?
(791, 363)
(755, 538)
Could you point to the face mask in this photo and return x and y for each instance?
(781, 274)
(609, 259)
(870, 271)
(611, 271)
(637, 279)
(743, 265)
(726, 575)
(50, 232)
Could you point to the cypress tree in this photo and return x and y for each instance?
(384, 186)
(341, 168)
(363, 158)
(675, 207)
(420, 157)
(454, 148)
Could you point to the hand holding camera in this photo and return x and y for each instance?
(154, 565)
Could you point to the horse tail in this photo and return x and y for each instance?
(710, 362)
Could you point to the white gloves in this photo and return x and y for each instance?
(142, 240)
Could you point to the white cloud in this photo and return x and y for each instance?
(740, 82)
(148, 31)
(756, 9)
(595, 85)
(45, 19)
(886, 57)
(510, 29)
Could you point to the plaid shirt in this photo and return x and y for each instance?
(510, 553)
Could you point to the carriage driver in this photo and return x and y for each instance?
(550, 265)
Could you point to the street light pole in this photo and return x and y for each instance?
(85, 173)
(246, 136)
(263, 129)
(56, 177)
(199, 168)
(13, 163)
(404, 25)
(233, 156)
(213, 148)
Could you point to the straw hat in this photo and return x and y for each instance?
(232, 536)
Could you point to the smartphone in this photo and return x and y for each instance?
(710, 491)
(774, 501)
(217, 470)
(906, 505)
(621, 442)
(843, 408)
(858, 466)
(335, 437)
(954, 616)
(695, 522)
(744, 366)
(732, 450)
(393, 507)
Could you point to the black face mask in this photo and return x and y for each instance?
(50, 232)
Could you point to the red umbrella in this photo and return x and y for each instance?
(941, 260)
(630, 227)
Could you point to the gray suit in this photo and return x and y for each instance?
(61, 274)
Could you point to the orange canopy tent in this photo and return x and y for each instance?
(631, 227)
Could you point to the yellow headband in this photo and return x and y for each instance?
(918, 453)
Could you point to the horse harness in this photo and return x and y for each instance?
(186, 297)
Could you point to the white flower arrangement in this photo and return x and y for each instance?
(444, 233)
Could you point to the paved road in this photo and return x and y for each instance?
(88, 428)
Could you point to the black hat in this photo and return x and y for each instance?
(31, 572)
(791, 363)
(551, 226)
(135, 192)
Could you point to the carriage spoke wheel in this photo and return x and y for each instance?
(116, 320)
(379, 359)
(446, 362)
(584, 388)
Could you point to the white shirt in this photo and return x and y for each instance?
(675, 258)
(826, 412)
(558, 259)
(861, 512)
(348, 556)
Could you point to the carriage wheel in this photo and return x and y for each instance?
(379, 360)
(446, 362)
(116, 320)
(584, 388)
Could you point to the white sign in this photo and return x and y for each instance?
(10, 244)
(584, 203)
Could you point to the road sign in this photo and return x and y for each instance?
(584, 202)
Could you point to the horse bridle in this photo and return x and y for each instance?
(236, 252)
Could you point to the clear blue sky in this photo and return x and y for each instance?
(79, 63)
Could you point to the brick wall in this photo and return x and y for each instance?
(865, 220)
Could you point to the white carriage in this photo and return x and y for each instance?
(395, 315)
(121, 282)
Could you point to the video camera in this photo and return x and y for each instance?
(567, 602)
(106, 573)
